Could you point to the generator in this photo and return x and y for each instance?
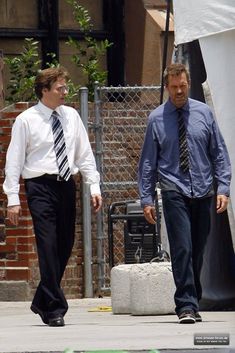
(139, 236)
(142, 241)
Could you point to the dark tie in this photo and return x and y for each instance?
(183, 145)
(60, 147)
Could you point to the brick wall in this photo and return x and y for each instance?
(18, 257)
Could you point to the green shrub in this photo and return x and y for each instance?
(90, 52)
(23, 69)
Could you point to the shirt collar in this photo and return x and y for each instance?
(46, 110)
(171, 107)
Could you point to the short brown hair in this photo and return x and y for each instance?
(45, 78)
(175, 70)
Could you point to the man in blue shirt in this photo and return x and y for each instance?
(184, 151)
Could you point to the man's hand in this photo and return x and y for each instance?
(96, 202)
(150, 214)
(13, 214)
(221, 203)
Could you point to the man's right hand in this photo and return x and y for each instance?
(150, 214)
(13, 214)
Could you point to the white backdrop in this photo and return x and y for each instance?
(219, 57)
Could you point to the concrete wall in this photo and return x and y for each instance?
(144, 30)
(18, 14)
(94, 8)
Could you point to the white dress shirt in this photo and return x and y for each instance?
(31, 150)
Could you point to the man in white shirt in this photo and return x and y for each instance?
(47, 156)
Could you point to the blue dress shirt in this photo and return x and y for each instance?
(208, 154)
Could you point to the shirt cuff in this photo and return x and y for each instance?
(147, 201)
(95, 189)
(223, 190)
(13, 200)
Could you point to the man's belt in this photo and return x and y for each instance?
(55, 177)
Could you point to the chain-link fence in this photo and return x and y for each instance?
(119, 119)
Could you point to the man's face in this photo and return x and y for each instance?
(56, 95)
(178, 88)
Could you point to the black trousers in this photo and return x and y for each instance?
(188, 226)
(52, 207)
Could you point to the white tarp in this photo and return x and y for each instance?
(213, 23)
(218, 54)
(195, 19)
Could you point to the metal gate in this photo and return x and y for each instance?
(119, 121)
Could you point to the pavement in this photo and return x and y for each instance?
(91, 326)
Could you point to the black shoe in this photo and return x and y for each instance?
(187, 317)
(41, 313)
(198, 317)
(56, 321)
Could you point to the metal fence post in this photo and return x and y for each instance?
(86, 208)
(100, 235)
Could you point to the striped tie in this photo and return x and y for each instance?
(183, 145)
(60, 147)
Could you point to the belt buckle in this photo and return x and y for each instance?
(59, 178)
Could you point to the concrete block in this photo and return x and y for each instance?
(15, 291)
(152, 289)
(120, 289)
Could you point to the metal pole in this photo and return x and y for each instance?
(86, 208)
(100, 236)
(165, 47)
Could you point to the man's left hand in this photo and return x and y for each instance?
(221, 203)
(96, 202)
